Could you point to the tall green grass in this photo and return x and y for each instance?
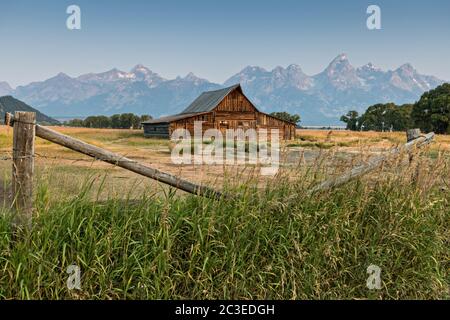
(274, 242)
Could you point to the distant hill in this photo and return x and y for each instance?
(10, 104)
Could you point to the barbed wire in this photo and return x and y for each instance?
(43, 156)
(5, 158)
(86, 159)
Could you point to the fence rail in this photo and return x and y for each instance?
(415, 141)
(23, 155)
(25, 130)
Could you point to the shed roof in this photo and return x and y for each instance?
(169, 119)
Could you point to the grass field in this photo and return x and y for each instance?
(135, 239)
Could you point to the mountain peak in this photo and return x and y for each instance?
(5, 88)
(248, 74)
(107, 76)
(407, 67)
(113, 71)
(294, 66)
(192, 77)
(278, 69)
(61, 76)
(370, 67)
(341, 58)
(140, 68)
(339, 63)
(5, 84)
(142, 73)
(253, 69)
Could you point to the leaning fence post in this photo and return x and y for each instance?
(412, 134)
(23, 166)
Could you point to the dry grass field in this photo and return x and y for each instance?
(65, 171)
(272, 241)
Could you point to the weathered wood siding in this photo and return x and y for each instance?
(235, 111)
(157, 130)
(188, 123)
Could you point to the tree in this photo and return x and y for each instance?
(74, 123)
(136, 122)
(144, 117)
(351, 119)
(401, 118)
(294, 118)
(128, 120)
(432, 111)
(97, 122)
(115, 121)
(386, 117)
(381, 117)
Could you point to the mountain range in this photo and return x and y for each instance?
(320, 99)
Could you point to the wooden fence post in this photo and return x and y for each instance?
(100, 154)
(23, 166)
(412, 134)
(373, 164)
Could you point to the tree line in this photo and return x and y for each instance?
(293, 118)
(132, 121)
(430, 113)
(116, 121)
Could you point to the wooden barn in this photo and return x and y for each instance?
(222, 109)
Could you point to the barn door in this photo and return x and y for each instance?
(223, 126)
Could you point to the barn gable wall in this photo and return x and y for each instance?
(235, 101)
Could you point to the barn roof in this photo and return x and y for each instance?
(207, 101)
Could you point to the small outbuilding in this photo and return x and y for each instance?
(222, 109)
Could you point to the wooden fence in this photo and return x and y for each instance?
(26, 129)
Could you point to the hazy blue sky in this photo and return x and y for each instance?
(215, 39)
